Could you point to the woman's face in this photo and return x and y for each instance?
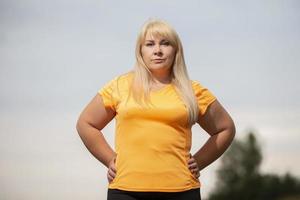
(158, 54)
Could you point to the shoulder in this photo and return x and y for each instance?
(124, 78)
(119, 83)
(121, 80)
(194, 83)
(201, 91)
(203, 96)
(197, 86)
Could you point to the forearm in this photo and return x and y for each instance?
(215, 146)
(95, 142)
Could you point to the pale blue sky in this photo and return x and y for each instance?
(55, 55)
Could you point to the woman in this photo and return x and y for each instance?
(155, 106)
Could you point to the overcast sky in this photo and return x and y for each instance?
(55, 55)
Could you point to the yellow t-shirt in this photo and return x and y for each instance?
(152, 143)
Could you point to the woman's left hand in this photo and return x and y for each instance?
(193, 166)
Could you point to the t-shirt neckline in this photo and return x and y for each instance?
(162, 88)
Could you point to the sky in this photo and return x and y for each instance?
(55, 56)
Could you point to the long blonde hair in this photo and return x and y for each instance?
(140, 87)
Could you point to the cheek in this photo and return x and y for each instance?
(145, 54)
(172, 55)
(171, 52)
(145, 58)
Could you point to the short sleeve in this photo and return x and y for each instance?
(108, 94)
(203, 96)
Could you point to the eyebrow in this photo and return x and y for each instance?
(163, 40)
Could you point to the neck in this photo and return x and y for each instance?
(161, 77)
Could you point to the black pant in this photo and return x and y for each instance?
(116, 194)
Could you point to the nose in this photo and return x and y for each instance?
(157, 50)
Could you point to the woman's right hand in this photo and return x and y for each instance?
(111, 173)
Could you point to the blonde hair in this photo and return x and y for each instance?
(140, 87)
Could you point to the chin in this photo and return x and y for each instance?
(158, 66)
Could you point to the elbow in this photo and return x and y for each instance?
(232, 130)
(81, 128)
(79, 125)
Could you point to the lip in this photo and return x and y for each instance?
(158, 59)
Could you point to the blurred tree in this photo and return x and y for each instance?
(239, 176)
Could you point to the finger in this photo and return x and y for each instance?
(191, 160)
(110, 180)
(193, 165)
(198, 174)
(111, 173)
(113, 168)
(110, 176)
(195, 170)
(113, 165)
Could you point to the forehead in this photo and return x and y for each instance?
(155, 36)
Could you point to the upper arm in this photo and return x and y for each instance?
(96, 114)
(216, 119)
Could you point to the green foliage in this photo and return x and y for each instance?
(239, 177)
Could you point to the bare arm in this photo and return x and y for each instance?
(89, 125)
(219, 125)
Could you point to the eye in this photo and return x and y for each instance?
(166, 43)
(149, 44)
